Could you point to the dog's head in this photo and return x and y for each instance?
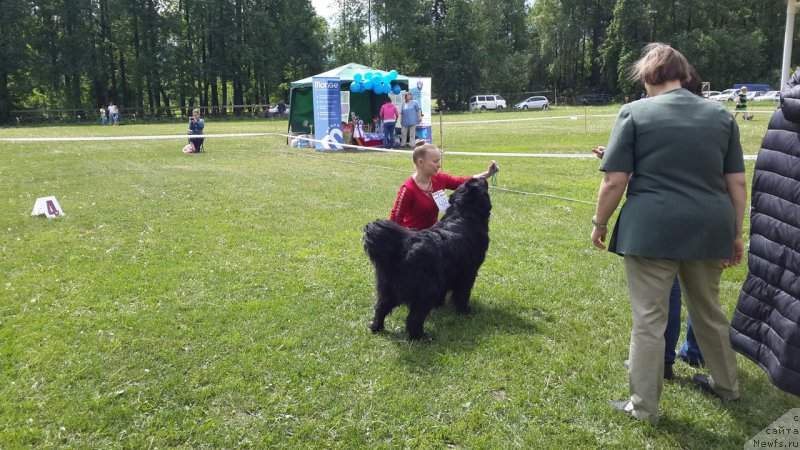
(472, 198)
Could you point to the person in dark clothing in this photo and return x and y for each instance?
(281, 108)
(196, 125)
(766, 323)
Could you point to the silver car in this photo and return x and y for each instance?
(535, 102)
(769, 96)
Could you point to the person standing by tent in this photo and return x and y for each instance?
(388, 115)
(411, 117)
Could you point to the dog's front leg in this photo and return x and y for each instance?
(461, 293)
(416, 320)
(382, 309)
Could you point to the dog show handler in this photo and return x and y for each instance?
(422, 197)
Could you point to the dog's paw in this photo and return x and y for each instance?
(375, 328)
(419, 337)
(465, 310)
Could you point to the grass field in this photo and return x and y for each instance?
(222, 300)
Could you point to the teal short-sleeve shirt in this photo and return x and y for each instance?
(677, 148)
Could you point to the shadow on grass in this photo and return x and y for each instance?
(758, 395)
(450, 332)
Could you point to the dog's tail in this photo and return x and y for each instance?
(383, 241)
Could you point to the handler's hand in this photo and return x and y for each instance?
(738, 253)
(599, 151)
(599, 237)
(493, 163)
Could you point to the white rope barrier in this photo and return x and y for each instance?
(527, 119)
(129, 138)
(375, 166)
(346, 146)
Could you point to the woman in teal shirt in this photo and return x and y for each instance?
(412, 115)
(680, 158)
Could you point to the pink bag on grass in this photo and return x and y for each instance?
(188, 148)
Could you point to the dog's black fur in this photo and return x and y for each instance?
(418, 268)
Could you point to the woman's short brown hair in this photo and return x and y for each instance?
(659, 64)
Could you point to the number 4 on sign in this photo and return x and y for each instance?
(48, 206)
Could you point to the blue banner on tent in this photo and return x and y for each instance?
(327, 113)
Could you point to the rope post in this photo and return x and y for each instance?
(441, 136)
(441, 130)
(585, 125)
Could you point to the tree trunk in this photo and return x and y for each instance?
(224, 97)
(5, 98)
(123, 80)
(214, 96)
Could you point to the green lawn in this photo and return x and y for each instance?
(222, 300)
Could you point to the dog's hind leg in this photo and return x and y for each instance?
(385, 304)
(461, 293)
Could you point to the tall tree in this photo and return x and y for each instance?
(14, 21)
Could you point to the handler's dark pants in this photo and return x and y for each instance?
(197, 142)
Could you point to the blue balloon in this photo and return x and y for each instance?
(386, 79)
(356, 87)
(368, 76)
(396, 89)
(367, 85)
(357, 78)
(392, 74)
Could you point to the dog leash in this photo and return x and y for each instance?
(493, 174)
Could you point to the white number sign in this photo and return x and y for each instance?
(48, 206)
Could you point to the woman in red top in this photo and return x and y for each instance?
(415, 207)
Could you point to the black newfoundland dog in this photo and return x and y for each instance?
(418, 268)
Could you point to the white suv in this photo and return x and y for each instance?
(484, 102)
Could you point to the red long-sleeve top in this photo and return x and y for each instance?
(415, 208)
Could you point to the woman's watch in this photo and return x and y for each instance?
(599, 225)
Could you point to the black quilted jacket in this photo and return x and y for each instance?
(766, 323)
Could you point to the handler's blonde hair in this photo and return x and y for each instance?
(421, 149)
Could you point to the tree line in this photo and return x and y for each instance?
(157, 56)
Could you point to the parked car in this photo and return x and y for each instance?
(595, 99)
(726, 96)
(274, 110)
(535, 102)
(709, 94)
(769, 96)
(753, 94)
(488, 101)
